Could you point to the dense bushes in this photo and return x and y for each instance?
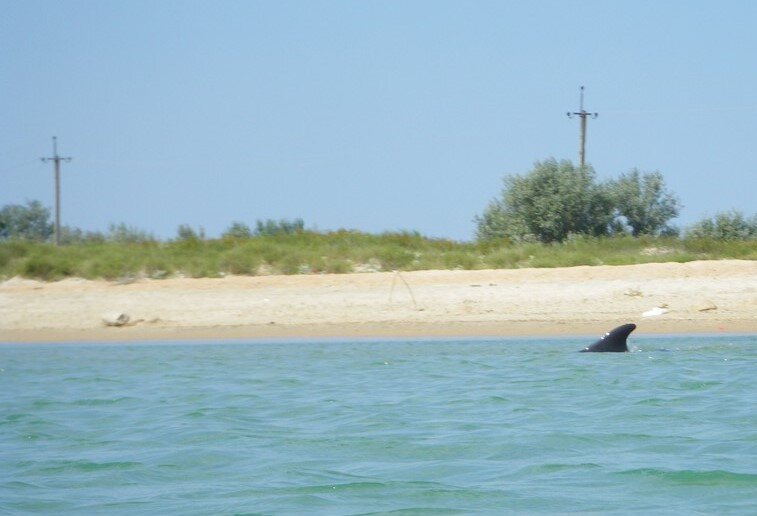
(30, 222)
(282, 247)
(556, 200)
(342, 252)
(731, 225)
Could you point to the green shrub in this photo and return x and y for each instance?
(316, 253)
(549, 203)
(394, 258)
(556, 200)
(291, 263)
(124, 234)
(112, 268)
(11, 252)
(46, 267)
(505, 258)
(238, 230)
(201, 267)
(461, 259)
(338, 266)
(272, 227)
(731, 225)
(241, 260)
(186, 233)
(30, 222)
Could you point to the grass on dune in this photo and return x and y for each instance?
(340, 252)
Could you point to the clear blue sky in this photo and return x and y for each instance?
(370, 115)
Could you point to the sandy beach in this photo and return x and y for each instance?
(695, 297)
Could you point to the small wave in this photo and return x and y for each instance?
(698, 385)
(349, 486)
(98, 402)
(17, 484)
(42, 404)
(417, 510)
(547, 469)
(654, 402)
(88, 466)
(694, 477)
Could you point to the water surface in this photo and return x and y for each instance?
(415, 427)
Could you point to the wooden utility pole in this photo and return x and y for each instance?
(582, 114)
(56, 165)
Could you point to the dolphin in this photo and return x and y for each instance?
(614, 340)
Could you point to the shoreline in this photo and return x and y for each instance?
(718, 297)
(125, 335)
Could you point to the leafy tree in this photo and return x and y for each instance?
(238, 230)
(186, 233)
(272, 227)
(494, 223)
(553, 201)
(122, 233)
(732, 225)
(644, 202)
(30, 222)
(71, 235)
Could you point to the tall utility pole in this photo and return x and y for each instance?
(582, 139)
(56, 161)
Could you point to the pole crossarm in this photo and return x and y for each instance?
(582, 114)
(55, 156)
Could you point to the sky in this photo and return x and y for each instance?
(368, 115)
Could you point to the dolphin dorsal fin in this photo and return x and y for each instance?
(613, 341)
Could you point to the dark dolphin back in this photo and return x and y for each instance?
(613, 341)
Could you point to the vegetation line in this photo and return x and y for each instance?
(342, 252)
(557, 215)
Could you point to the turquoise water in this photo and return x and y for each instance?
(424, 427)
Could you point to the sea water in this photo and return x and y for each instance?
(404, 427)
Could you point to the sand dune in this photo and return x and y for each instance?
(705, 296)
